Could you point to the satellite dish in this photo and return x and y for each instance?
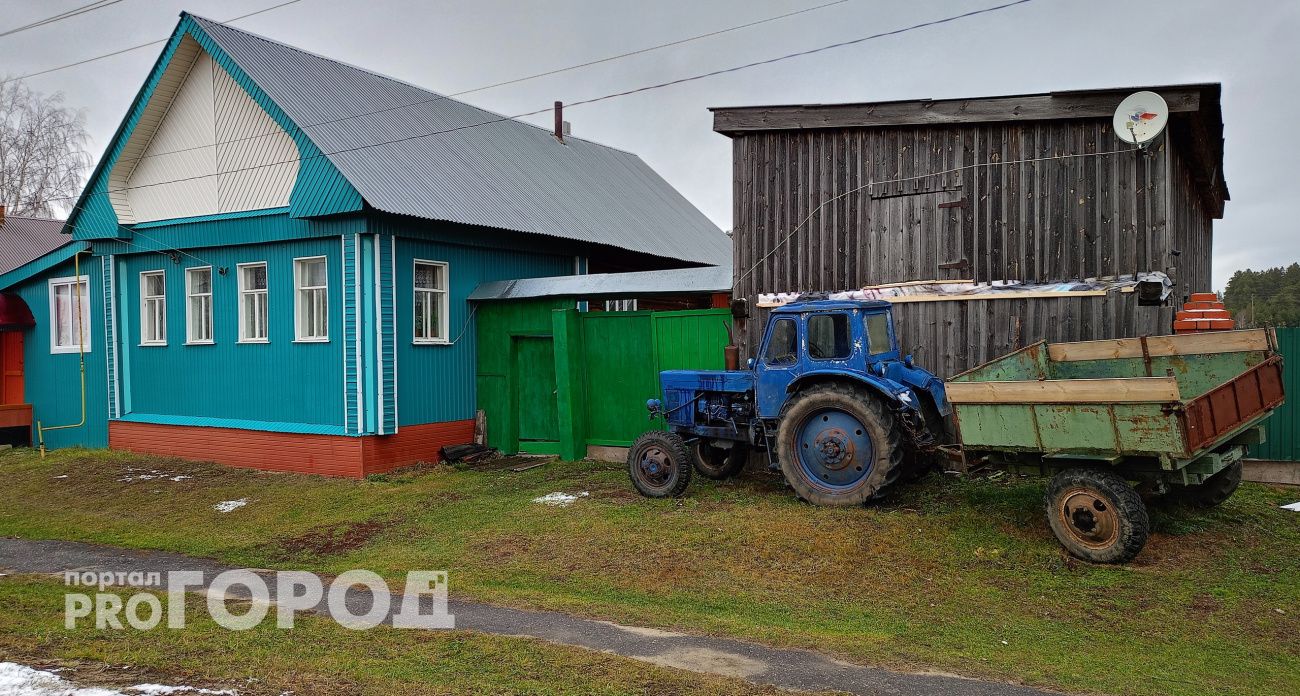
(1141, 117)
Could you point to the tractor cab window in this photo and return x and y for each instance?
(782, 345)
(828, 337)
(878, 333)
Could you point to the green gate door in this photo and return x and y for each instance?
(536, 409)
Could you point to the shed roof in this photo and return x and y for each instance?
(678, 281)
(25, 239)
(460, 163)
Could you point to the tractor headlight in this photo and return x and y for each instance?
(905, 396)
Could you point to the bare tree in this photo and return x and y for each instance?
(43, 158)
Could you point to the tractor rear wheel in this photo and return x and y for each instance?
(659, 464)
(1097, 515)
(838, 445)
(718, 463)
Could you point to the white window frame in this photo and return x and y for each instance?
(73, 282)
(298, 289)
(144, 306)
(244, 291)
(190, 295)
(443, 295)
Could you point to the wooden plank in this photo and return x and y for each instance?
(1185, 344)
(1069, 391)
(1034, 107)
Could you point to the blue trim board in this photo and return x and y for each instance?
(209, 218)
(235, 423)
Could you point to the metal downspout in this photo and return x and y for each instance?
(81, 354)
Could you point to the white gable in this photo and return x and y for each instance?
(202, 147)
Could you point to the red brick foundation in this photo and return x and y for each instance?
(326, 455)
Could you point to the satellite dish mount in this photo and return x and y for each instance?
(1140, 118)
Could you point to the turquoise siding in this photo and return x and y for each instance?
(52, 381)
(351, 335)
(436, 382)
(386, 316)
(277, 382)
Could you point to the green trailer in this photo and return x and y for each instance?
(1113, 420)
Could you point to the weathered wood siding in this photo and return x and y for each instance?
(920, 211)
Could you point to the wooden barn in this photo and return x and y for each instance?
(1034, 188)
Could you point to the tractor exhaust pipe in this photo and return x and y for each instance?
(731, 351)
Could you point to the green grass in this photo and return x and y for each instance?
(955, 575)
(319, 657)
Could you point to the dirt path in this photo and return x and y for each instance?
(788, 668)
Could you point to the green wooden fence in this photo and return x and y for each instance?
(1283, 427)
(554, 381)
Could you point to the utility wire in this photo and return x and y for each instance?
(592, 100)
(137, 46)
(870, 184)
(91, 7)
(494, 85)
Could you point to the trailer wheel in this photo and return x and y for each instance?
(659, 464)
(838, 445)
(718, 463)
(1215, 491)
(1097, 515)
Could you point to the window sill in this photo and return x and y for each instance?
(153, 345)
(68, 351)
(200, 343)
(430, 342)
(253, 341)
(311, 340)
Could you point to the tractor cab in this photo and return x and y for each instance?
(807, 342)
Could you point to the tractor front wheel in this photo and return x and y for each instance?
(1097, 515)
(718, 463)
(838, 445)
(659, 464)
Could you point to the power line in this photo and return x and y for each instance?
(503, 83)
(137, 46)
(869, 184)
(91, 7)
(592, 100)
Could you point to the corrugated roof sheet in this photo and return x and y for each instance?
(24, 239)
(611, 285)
(509, 174)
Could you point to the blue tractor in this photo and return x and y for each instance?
(830, 399)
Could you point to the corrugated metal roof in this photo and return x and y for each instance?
(24, 239)
(610, 285)
(508, 174)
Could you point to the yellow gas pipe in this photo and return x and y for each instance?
(81, 352)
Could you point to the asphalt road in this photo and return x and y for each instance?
(788, 668)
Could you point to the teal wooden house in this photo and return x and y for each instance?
(276, 252)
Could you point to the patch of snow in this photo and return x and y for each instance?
(228, 505)
(61, 476)
(560, 499)
(1293, 507)
(21, 680)
(182, 477)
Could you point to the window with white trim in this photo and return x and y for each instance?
(153, 309)
(198, 305)
(430, 302)
(253, 303)
(70, 314)
(311, 299)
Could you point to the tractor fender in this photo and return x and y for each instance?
(886, 389)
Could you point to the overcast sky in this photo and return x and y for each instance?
(449, 46)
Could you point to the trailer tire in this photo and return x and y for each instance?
(821, 436)
(718, 463)
(1215, 491)
(1096, 515)
(659, 464)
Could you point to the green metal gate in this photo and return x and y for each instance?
(602, 367)
(1283, 427)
